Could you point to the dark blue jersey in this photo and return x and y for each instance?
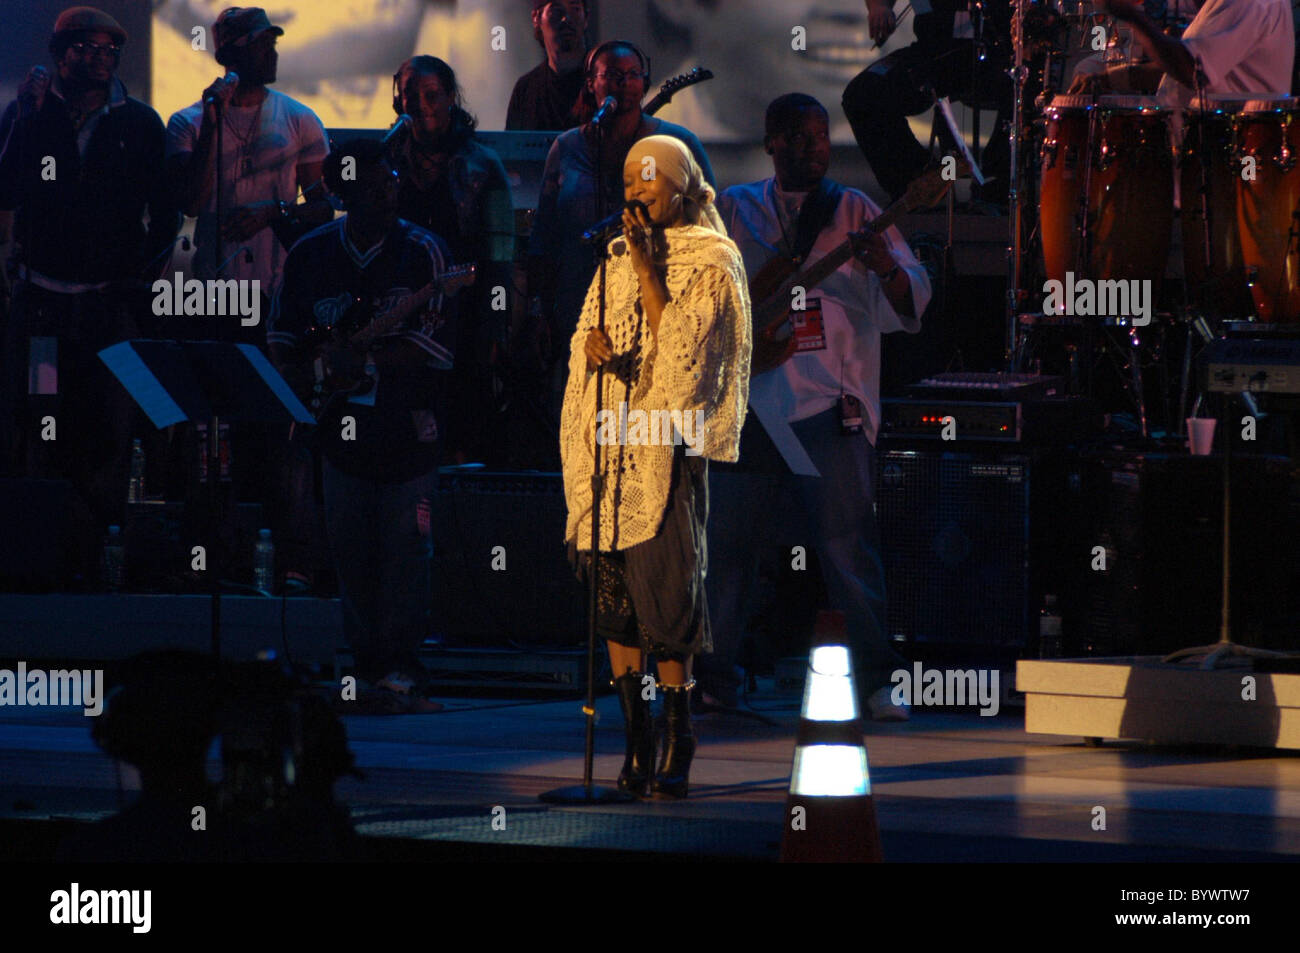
(389, 436)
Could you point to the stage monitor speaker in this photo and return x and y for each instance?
(501, 576)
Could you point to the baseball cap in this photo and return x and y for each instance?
(241, 25)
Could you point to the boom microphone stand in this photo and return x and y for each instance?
(587, 793)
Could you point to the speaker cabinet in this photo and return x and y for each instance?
(524, 592)
(971, 542)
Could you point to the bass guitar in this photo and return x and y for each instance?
(341, 343)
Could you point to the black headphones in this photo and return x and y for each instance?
(611, 44)
(397, 89)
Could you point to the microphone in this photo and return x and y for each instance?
(404, 122)
(605, 111)
(230, 79)
(610, 225)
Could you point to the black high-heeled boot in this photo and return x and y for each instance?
(673, 776)
(639, 763)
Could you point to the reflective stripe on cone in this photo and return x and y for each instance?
(830, 815)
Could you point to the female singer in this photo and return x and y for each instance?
(456, 187)
(676, 346)
(560, 263)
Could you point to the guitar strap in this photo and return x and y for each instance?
(817, 212)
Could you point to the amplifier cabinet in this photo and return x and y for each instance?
(955, 536)
(522, 594)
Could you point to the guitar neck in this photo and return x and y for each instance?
(827, 265)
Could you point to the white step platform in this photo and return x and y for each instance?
(1143, 699)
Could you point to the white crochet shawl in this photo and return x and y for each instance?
(699, 361)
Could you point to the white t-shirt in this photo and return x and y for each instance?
(854, 308)
(260, 159)
(1243, 46)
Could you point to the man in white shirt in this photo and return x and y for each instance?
(272, 146)
(1238, 46)
(807, 391)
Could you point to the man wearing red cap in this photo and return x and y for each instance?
(80, 165)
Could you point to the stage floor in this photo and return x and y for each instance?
(948, 785)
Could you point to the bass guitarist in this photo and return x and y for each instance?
(814, 398)
(380, 439)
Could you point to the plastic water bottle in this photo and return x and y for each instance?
(135, 488)
(1049, 629)
(114, 566)
(263, 561)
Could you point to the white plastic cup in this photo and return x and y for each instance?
(1200, 435)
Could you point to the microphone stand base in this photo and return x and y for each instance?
(582, 794)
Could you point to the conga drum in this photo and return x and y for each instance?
(1268, 140)
(1107, 173)
(1209, 169)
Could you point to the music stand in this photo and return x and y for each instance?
(178, 381)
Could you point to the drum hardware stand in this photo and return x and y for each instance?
(1015, 277)
(941, 119)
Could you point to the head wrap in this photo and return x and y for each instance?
(674, 162)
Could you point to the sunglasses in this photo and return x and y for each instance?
(87, 50)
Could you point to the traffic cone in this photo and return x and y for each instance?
(829, 814)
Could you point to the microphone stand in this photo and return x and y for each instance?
(214, 422)
(587, 793)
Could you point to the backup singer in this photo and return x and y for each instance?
(456, 187)
(80, 164)
(676, 340)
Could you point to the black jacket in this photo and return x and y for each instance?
(86, 223)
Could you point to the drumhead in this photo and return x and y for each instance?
(1109, 102)
(1260, 104)
(1214, 102)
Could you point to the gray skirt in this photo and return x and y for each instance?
(651, 595)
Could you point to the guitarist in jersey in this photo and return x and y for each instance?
(814, 400)
(379, 439)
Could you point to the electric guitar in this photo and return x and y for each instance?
(772, 288)
(675, 85)
(341, 343)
